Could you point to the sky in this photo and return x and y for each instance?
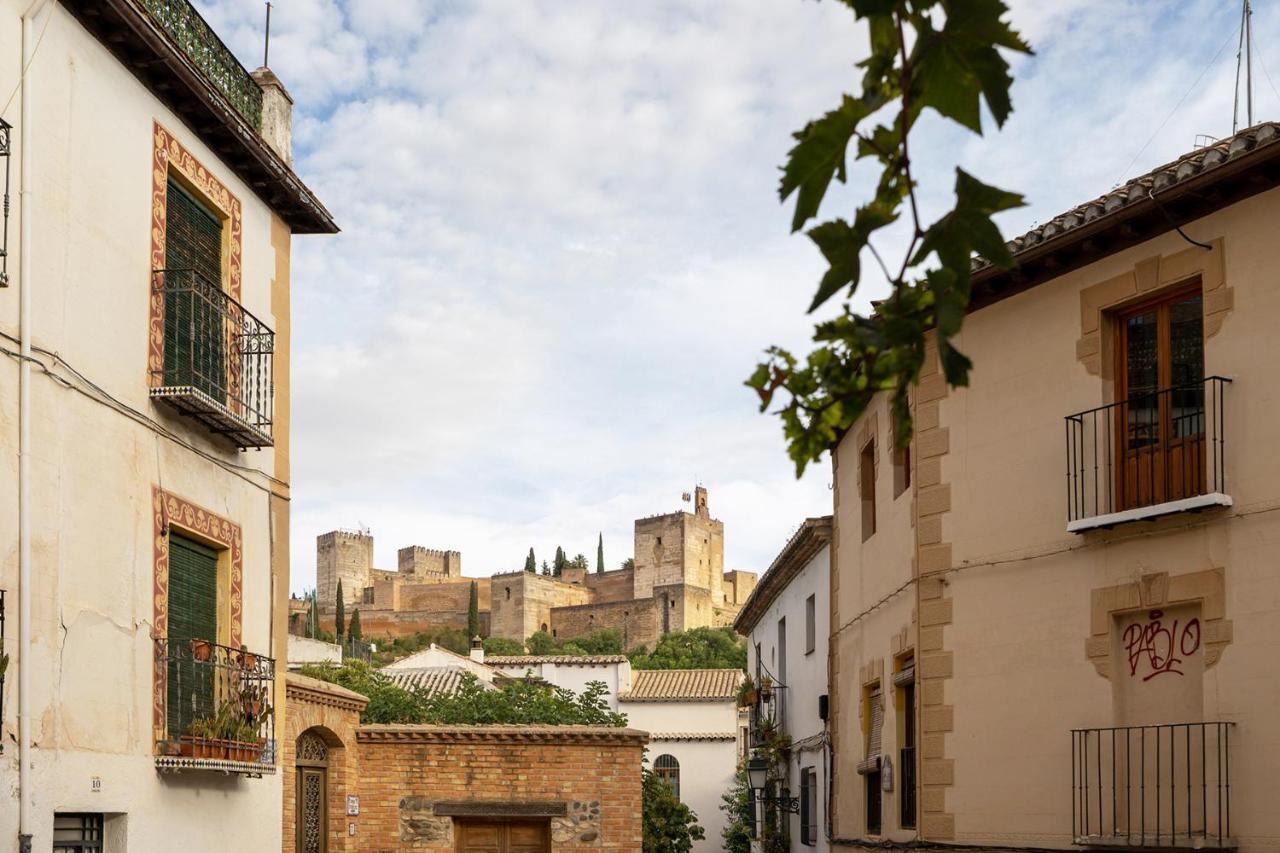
(562, 250)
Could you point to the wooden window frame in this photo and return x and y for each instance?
(867, 487)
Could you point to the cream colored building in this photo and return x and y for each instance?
(145, 443)
(1054, 619)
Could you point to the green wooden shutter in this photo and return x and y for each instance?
(193, 614)
(194, 332)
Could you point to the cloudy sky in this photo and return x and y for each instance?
(562, 250)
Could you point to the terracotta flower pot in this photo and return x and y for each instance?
(201, 650)
(750, 697)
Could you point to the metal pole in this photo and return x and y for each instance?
(266, 45)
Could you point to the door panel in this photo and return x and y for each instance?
(312, 817)
(500, 837)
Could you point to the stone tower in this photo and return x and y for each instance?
(420, 561)
(345, 555)
(681, 548)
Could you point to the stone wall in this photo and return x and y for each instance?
(418, 560)
(617, 585)
(738, 586)
(416, 782)
(521, 602)
(637, 620)
(680, 547)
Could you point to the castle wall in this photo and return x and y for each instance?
(377, 625)
(637, 620)
(521, 602)
(738, 586)
(617, 585)
(346, 556)
(659, 547)
(417, 560)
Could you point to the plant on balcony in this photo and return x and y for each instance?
(246, 658)
(747, 693)
(201, 650)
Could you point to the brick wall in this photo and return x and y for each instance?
(585, 780)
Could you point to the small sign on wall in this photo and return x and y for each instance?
(95, 784)
(353, 808)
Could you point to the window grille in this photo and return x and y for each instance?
(668, 770)
(809, 806)
(77, 833)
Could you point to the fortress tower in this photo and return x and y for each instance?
(681, 548)
(419, 561)
(345, 555)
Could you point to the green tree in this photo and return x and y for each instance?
(669, 825)
(579, 562)
(600, 554)
(313, 616)
(502, 646)
(473, 613)
(530, 564)
(560, 563)
(606, 641)
(354, 631)
(629, 563)
(546, 570)
(340, 613)
(541, 643)
(738, 816)
(943, 55)
(697, 648)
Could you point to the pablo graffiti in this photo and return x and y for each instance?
(1163, 647)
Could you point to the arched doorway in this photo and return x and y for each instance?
(312, 793)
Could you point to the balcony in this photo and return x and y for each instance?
(217, 359)
(1150, 455)
(201, 45)
(217, 708)
(1161, 786)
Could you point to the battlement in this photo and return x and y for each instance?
(417, 560)
(345, 535)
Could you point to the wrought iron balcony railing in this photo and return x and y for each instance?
(195, 38)
(1152, 786)
(907, 787)
(1152, 454)
(218, 358)
(218, 711)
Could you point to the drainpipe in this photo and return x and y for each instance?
(26, 787)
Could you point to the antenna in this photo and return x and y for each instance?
(266, 45)
(1244, 57)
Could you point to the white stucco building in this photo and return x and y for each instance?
(144, 430)
(572, 672)
(694, 727)
(786, 623)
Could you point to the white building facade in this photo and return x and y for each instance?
(694, 726)
(144, 431)
(787, 624)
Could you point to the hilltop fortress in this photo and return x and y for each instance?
(678, 582)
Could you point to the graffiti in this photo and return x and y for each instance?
(1163, 647)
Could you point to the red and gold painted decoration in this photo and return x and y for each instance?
(169, 156)
(168, 511)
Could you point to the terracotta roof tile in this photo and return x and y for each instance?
(673, 685)
(568, 660)
(430, 679)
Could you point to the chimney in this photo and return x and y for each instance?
(277, 114)
(477, 649)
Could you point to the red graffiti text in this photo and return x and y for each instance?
(1163, 647)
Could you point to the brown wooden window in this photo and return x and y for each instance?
(867, 486)
(1159, 426)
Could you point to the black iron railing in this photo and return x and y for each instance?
(195, 38)
(218, 702)
(1152, 786)
(1147, 450)
(767, 716)
(4, 665)
(907, 787)
(218, 358)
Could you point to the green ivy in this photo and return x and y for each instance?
(943, 55)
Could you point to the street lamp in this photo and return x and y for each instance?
(758, 781)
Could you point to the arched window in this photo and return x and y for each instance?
(668, 770)
(508, 593)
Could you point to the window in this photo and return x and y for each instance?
(782, 651)
(867, 486)
(1160, 381)
(810, 628)
(193, 615)
(808, 807)
(194, 337)
(508, 590)
(668, 770)
(871, 765)
(901, 470)
(77, 833)
(905, 680)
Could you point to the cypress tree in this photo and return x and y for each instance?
(561, 561)
(354, 631)
(341, 613)
(600, 554)
(473, 613)
(546, 570)
(313, 616)
(530, 564)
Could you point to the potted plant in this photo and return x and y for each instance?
(201, 650)
(201, 739)
(766, 688)
(246, 658)
(747, 694)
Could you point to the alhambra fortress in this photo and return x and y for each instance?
(677, 582)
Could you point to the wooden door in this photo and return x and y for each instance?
(312, 810)
(503, 837)
(1160, 422)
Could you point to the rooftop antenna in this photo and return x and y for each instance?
(1244, 56)
(266, 45)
